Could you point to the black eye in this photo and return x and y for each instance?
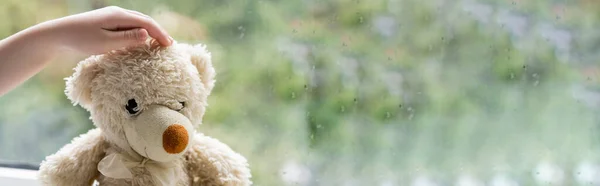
(182, 105)
(132, 107)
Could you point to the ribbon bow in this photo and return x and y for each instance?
(119, 166)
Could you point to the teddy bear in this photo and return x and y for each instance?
(145, 102)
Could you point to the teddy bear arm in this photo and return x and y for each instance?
(75, 163)
(210, 162)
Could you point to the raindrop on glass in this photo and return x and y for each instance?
(242, 31)
(293, 95)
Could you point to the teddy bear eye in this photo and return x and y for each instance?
(132, 107)
(182, 106)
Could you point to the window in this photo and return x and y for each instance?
(357, 92)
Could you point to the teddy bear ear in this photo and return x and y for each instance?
(79, 85)
(201, 59)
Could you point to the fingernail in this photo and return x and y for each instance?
(171, 40)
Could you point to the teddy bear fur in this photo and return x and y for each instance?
(151, 74)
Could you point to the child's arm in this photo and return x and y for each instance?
(26, 53)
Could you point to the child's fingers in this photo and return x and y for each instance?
(138, 13)
(138, 21)
(120, 39)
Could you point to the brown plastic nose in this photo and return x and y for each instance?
(175, 139)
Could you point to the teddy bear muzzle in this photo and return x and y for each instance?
(160, 133)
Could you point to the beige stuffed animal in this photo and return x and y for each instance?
(145, 102)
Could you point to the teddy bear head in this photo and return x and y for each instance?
(147, 98)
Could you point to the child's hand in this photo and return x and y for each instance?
(27, 52)
(106, 29)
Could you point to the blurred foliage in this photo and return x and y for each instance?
(363, 92)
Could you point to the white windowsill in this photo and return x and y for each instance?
(11, 176)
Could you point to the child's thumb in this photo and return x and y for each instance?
(131, 37)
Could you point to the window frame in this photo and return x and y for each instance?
(18, 176)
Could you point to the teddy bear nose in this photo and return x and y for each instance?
(175, 139)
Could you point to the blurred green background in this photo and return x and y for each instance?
(364, 92)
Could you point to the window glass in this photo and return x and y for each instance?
(363, 92)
